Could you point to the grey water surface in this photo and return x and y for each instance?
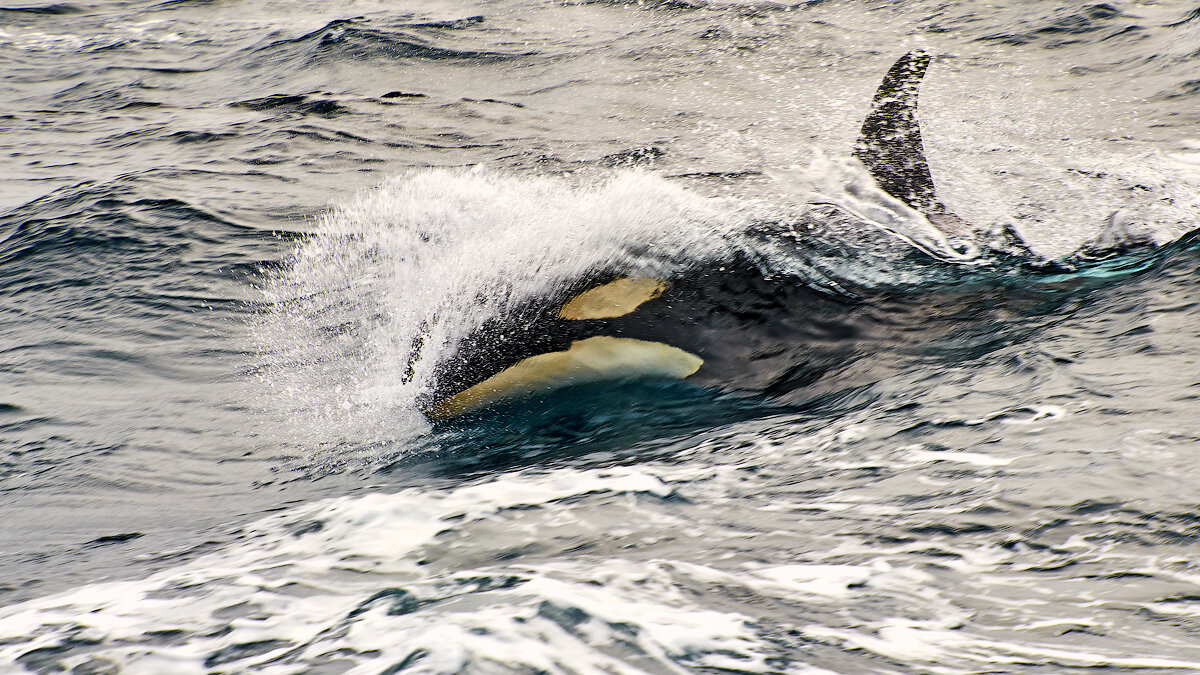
(223, 226)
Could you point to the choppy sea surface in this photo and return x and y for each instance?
(225, 225)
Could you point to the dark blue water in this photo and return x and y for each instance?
(223, 226)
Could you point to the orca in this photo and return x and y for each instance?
(730, 325)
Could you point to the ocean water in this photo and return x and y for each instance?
(237, 237)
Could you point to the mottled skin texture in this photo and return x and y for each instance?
(890, 147)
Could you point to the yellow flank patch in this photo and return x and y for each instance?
(592, 360)
(616, 298)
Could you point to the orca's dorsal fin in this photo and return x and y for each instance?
(889, 144)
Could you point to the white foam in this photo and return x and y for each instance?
(922, 455)
(145, 33)
(308, 592)
(936, 642)
(475, 579)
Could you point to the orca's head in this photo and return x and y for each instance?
(559, 341)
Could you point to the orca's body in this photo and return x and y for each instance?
(728, 325)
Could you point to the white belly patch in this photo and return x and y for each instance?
(595, 359)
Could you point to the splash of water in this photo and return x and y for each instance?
(363, 311)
